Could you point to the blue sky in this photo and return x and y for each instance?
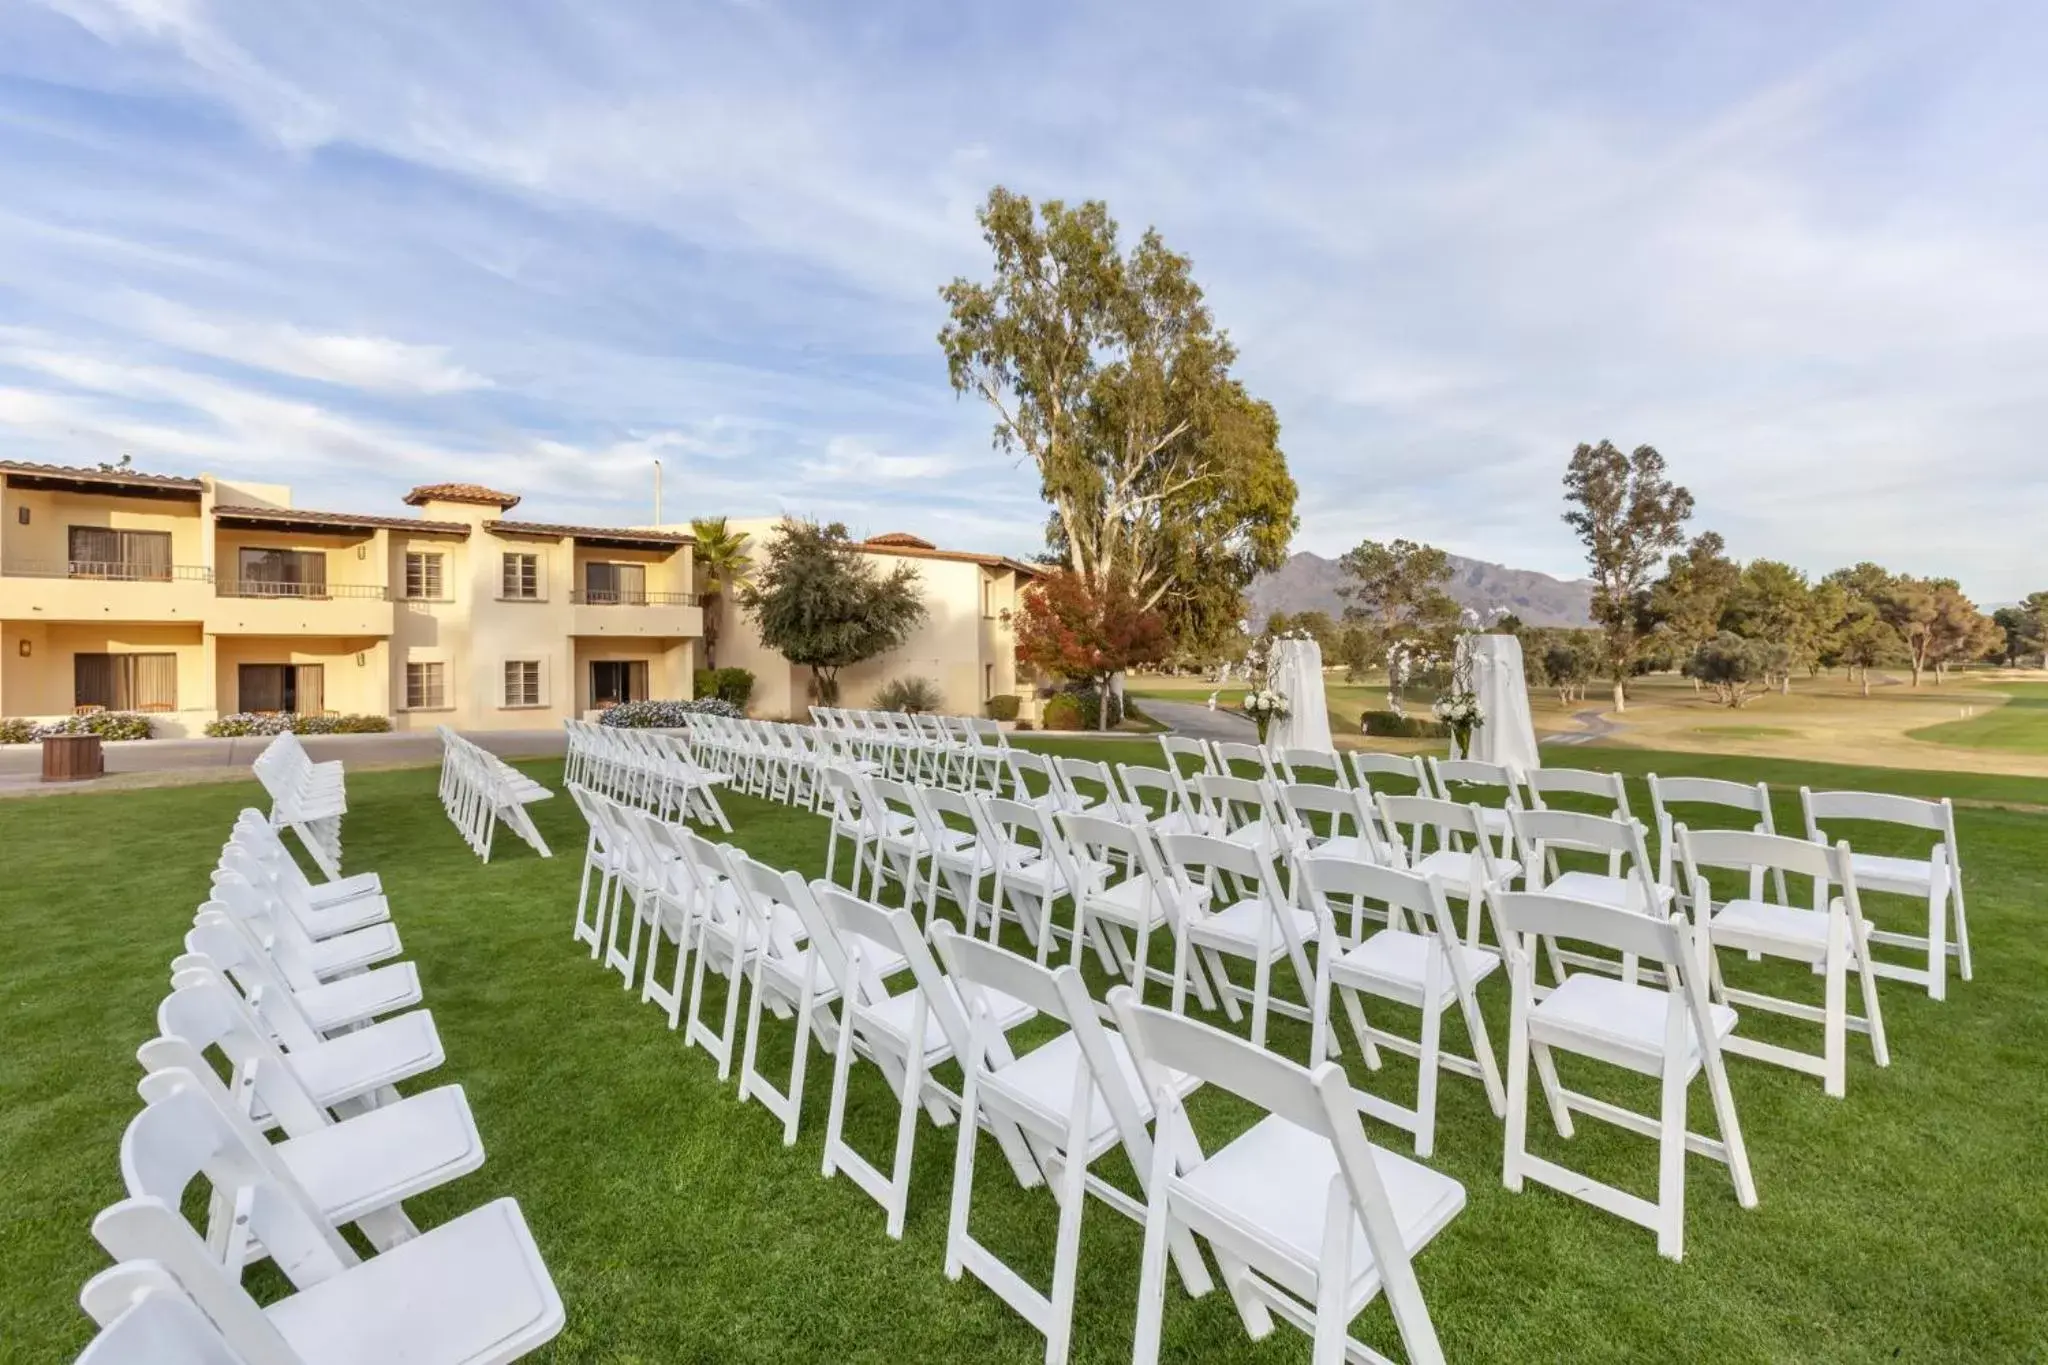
(356, 246)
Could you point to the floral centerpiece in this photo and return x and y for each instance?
(1458, 710)
(1263, 702)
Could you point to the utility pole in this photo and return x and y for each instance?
(657, 492)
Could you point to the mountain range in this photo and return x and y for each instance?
(1308, 582)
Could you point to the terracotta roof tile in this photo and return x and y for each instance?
(342, 520)
(461, 492)
(901, 538)
(609, 533)
(86, 474)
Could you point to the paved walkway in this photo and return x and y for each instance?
(202, 759)
(1189, 718)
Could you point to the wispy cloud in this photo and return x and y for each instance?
(500, 239)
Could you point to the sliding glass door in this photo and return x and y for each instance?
(299, 688)
(617, 680)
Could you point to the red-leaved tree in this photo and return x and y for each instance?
(1087, 632)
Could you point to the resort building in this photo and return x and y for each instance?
(965, 647)
(190, 598)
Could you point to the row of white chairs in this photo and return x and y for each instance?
(480, 791)
(1934, 877)
(308, 798)
(291, 983)
(914, 745)
(651, 768)
(1307, 1220)
(1277, 869)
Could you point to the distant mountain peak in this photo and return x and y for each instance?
(1308, 582)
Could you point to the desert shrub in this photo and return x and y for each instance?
(1062, 712)
(735, 685)
(704, 682)
(1024, 725)
(1387, 725)
(1090, 702)
(663, 715)
(1003, 707)
(242, 724)
(1735, 667)
(909, 694)
(15, 730)
(105, 724)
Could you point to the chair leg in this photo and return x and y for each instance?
(1671, 1166)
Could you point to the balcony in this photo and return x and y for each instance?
(633, 612)
(268, 607)
(84, 590)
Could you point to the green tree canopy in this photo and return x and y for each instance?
(819, 602)
(1628, 514)
(1394, 591)
(1689, 599)
(1106, 370)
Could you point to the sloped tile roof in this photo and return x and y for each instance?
(461, 492)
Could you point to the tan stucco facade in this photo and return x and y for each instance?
(184, 573)
(966, 645)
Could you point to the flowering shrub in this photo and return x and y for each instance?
(244, 723)
(15, 730)
(664, 715)
(105, 724)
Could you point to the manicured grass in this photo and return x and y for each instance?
(2019, 726)
(1742, 732)
(1908, 1221)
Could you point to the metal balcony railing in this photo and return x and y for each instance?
(107, 571)
(619, 597)
(305, 592)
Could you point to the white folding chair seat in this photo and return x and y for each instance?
(146, 1318)
(1308, 1220)
(273, 923)
(1627, 884)
(1463, 863)
(326, 1006)
(1120, 917)
(1672, 1032)
(1831, 936)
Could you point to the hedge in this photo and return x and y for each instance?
(1062, 711)
(735, 685)
(245, 723)
(105, 724)
(663, 715)
(1390, 726)
(1003, 707)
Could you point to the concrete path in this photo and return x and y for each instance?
(1189, 718)
(200, 759)
(1595, 725)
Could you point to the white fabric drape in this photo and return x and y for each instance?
(1298, 676)
(1494, 664)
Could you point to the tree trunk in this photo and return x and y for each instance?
(1785, 684)
(1916, 672)
(1620, 697)
(1866, 682)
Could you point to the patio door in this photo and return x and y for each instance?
(283, 573)
(617, 680)
(299, 688)
(608, 584)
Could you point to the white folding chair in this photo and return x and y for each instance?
(1256, 920)
(1120, 916)
(906, 1034)
(1330, 822)
(1241, 810)
(1307, 1218)
(1463, 861)
(1426, 969)
(1697, 795)
(1073, 1099)
(1234, 756)
(1034, 871)
(1626, 884)
(1936, 878)
(1163, 799)
(1672, 1033)
(472, 1289)
(1464, 780)
(1831, 935)
(1394, 774)
(146, 1318)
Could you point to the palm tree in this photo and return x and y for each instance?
(722, 565)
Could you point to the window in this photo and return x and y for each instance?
(522, 577)
(988, 681)
(299, 688)
(522, 682)
(426, 687)
(615, 583)
(98, 552)
(282, 573)
(125, 682)
(615, 680)
(988, 597)
(423, 576)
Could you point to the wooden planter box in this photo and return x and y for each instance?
(73, 758)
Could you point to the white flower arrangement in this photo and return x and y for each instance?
(1265, 704)
(1459, 710)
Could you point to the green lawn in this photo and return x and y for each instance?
(2020, 726)
(1906, 1222)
